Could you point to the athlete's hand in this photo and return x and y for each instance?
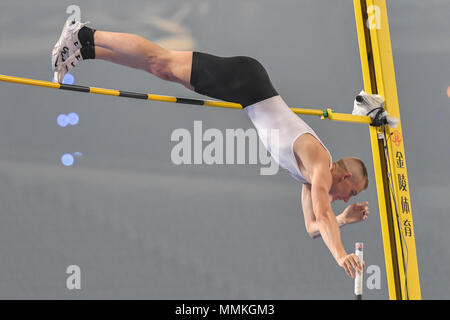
(350, 263)
(355, 212)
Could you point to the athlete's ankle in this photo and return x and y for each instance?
(87, 52)
(86, 36)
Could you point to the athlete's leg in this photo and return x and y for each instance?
(137, 52)
(237, 79)
(114, 57)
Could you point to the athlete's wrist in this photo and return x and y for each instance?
(341, 255)
(341, 220)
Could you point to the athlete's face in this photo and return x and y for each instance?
(346, 187)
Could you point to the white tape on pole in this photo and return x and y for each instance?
(359, 277)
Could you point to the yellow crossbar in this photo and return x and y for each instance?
(327, 114)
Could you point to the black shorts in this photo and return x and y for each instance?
(235, 79)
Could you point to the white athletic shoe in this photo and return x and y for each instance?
(65, 66)
(67, 45)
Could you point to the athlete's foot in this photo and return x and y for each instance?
(67, 65)
(66, 52)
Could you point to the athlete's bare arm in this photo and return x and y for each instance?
(354, 212)
(308, 213)
(316, 165)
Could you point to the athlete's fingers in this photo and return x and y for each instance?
(349, 267)
(363, 215)
(362, 208)
(347, 271)
(358, 264)
(346, 268)
(354, 263)
(362, 204)
(366, 213)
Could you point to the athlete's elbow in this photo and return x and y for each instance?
(314, 234)
(311, 232)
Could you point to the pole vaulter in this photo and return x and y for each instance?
(243, 81)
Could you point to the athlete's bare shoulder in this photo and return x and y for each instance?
(311, 155)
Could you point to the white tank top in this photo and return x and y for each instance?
(272, 116)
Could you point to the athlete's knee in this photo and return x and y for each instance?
(171, 66)
(180, 66)
(159, 64)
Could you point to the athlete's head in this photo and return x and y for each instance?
(349, 178)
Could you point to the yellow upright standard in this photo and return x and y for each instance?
(388, 152)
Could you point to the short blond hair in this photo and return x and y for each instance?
(342, 164)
